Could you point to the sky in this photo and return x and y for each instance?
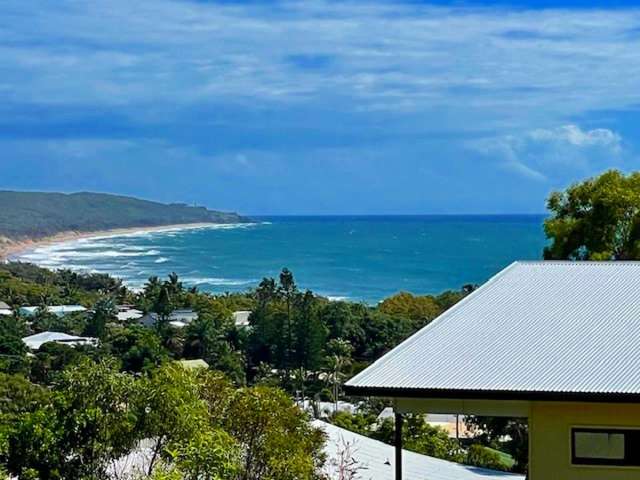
(319, 107)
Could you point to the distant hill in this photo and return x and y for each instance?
(35, 215)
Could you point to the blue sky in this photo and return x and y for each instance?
(318, 107)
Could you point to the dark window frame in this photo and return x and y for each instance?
(631, 447)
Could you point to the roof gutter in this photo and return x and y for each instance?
(507, 395)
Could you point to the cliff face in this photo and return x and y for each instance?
(36, 215)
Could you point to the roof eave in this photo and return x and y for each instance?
(498, 395)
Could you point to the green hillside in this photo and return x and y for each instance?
(37, 215)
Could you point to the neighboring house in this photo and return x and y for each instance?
(178, 318)
(374, 460)
(193, 364)
(58, 310)
(34, 342)
(241, 318)
(128, 312)
(5, 309)
(556, 342)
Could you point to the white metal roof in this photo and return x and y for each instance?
(241, 318)
(34, 342)
(377, 460)
(59, 310)
(535, 330)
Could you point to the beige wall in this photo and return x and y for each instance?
(550, 433)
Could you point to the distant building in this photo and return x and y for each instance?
(178, 318)
(194, 364)
(241, 318)
(34, 342)
(128, 312)
(58, 310)
(5, 309)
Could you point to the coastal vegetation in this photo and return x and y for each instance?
(597, 219)
(77, 412)
(33, 215)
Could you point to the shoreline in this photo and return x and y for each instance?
(9, 249)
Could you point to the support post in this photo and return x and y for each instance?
(398, 443)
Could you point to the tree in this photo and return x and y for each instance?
(338, 361)
(13, 351)
(310, 334)
(420, 309)
(277, 440)
(493, 429)
(163, 307)
(597, 219)
(137, 347)
(88, 424)
(104, 311)
(419, 436)
(211, 454)
(169, 409)
(52, 358)
(287, 290)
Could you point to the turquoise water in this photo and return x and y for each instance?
(359, 258)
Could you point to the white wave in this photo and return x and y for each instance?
(173, 230)
(337, 298)
(88, 255)
(161, 260)
(216, 281)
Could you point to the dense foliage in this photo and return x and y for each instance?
(597, 219)
(36, 215)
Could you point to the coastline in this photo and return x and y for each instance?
(12, 248)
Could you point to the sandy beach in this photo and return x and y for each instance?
(12, 248)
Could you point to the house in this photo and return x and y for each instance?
(241, 318)
(58, 310)
(196, 364)
(178, 318)
(374, 460)
(128, 312)
(34, 342)
(5, 309)
(555, 342)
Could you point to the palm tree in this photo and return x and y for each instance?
(338, 361)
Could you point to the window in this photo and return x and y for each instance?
(600, 446)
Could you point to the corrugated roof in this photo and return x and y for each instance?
(376, 460)
(536, 328)
(35, 341)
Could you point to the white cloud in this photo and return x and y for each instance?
(574, 135)
(547, 154)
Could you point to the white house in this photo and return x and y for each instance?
(555, 342)
(374, 460)
(34, 342)
(128, 312)
(241, 318)
(58, 310)
(5, 309)
(178, 318)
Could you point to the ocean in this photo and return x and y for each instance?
(359, 258)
